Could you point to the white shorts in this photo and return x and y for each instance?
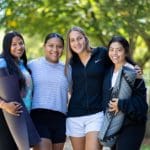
(80, 126)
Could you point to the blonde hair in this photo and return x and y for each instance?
(69, 52)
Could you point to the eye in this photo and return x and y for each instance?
(21, 43)
(111, 49)
(71, 40)
(119, 49)
(59, 46)
(14, 44)
(50, 45)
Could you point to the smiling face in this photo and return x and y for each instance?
(77, 42)
(53, 49)
(117, 53)
(17, 47)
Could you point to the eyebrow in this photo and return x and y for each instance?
(116, 47)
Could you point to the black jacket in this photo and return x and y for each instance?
(135, 108)
(87, 83)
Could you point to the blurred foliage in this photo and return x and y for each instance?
(101, 19)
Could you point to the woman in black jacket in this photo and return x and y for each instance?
(135, 108)
(85, 113)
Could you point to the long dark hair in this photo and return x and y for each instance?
(126, 46)
(11, 63)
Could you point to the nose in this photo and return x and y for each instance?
(76, 41)
(115, 52)
(19, 46)
(54, 48)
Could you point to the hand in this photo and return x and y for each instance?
(139, 72)
(113, 105)
(13, 108)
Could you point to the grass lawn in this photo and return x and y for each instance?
(145, 147)
(146, 144)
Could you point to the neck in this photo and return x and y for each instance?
(84, 57)
(85, 54)
(16, 60)
(118, 66)
(52, 62)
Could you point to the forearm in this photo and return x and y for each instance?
(13, 108)
(2, 103)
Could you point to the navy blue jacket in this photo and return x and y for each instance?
(87, 83)
(135, 108)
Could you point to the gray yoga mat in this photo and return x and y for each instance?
(21, 127)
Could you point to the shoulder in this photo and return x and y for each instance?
(69, 69)
(128, 65)
(61, 63)
(2, 63)
(129, 70)
(102, 51)
(34, 61)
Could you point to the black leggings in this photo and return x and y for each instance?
(6, 140)
(130, 137)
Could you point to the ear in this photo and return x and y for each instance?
(43, 46)
(61, 53)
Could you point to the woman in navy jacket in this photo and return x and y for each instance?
(135, 108)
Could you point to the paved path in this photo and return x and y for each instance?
(68, 145)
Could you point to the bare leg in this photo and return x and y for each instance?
(78, 143)
(58, 146)
(45, 144)
(92, 142)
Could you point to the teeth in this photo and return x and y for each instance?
(54, 54)
(114, 57)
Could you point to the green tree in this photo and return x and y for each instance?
(100, 18)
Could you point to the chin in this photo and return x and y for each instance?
(115, 63)
(54, 61)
